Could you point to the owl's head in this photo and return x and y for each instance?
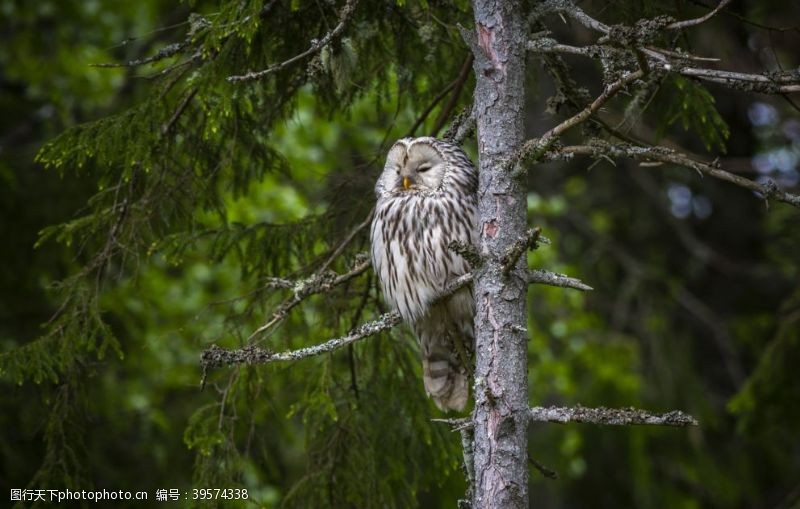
(413, 165)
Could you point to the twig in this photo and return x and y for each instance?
(316, 47)
(528, 242)
(179, 111)
(317, 283)
(436, 100)
(350, 236)
(547, 472)
(533, 149)
(454, 96)
(165, 52)
(682, 56)
(461, 126)
(693, 22)
(545, 277)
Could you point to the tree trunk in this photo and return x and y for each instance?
(501, 378)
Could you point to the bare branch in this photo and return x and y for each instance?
(427, 111)
(316, 47)
(693, 22)
(569, 8)
(545, 277)
(448, 108)
(350, 236)
(780, 84)
(628, 416)
(610, 416)
(214, 356)
(682, 56)
(666, 155)
(535, 148)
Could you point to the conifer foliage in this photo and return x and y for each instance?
(201, 304)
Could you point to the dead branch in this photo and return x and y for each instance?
(610, 416)
(693, 22)
(628, 416)
(214, 356)
(448, 108)
(781, 83)
(528, 242)
(318, 283)
(350, 236)
(603, 149)
(535, 148)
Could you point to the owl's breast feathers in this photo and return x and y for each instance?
(411, 234)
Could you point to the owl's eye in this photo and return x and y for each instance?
(424, 167)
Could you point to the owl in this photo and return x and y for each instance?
(426, 200)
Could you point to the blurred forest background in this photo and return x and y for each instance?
(144, 208)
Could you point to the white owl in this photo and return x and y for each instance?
(426, 200)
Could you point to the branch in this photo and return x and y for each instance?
(165, 52)
(179, 111)
(569, 8)
(693, 22)
(318, 283)
(610, 416)
(461, 127)
(545, 277)
(601, 415)
(316, 47)
(780, 84)
(463, 74)
(436, 100)
(214, 356)
(350, 236)
(666, 155)
(528, 242)
(544, 470)
(572, 10)
(535, 148)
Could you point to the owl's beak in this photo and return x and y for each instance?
(406, 182)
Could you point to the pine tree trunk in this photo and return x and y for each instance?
(501, 383)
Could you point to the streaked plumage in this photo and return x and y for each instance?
(427, 199)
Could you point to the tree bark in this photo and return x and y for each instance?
(501, 379)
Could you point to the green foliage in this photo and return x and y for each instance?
(170, 195)
(693, 106)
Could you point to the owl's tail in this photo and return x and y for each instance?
(446, 357)
(445, 382)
